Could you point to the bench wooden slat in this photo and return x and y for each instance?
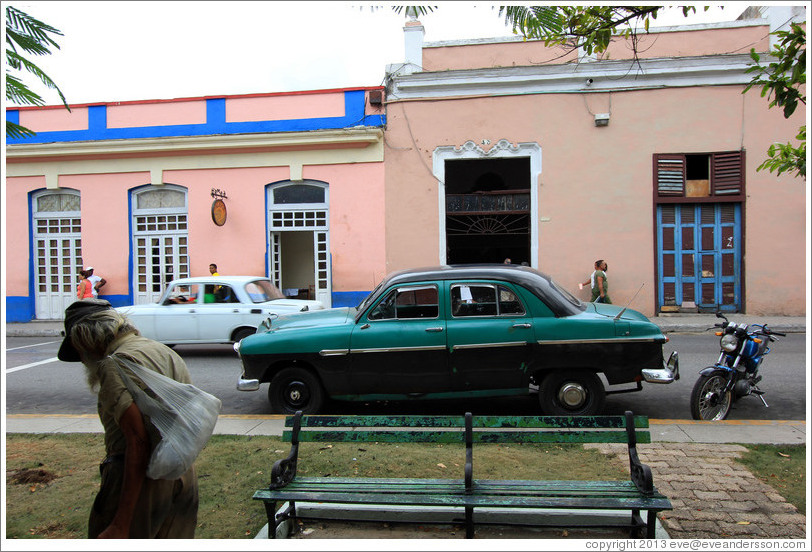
(535, 422)
(385, 485)
(471, 500)
(406, 436)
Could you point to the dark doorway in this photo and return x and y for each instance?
(487, 210)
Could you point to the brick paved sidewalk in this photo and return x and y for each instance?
(713, 496)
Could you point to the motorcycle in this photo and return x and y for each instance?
(735, 374)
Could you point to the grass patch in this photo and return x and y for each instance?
(52, 479)
(783, 467)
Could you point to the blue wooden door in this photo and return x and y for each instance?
(699, 254)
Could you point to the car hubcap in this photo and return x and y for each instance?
(297, 393)
(572, 395)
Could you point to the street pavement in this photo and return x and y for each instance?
(693, 462)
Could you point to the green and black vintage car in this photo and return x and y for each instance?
(456, 332)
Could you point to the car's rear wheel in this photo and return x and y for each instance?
(295, 389)
(572, 393)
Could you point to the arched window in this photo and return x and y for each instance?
(160, 239)
(57, 233)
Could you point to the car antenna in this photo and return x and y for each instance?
(629, 303)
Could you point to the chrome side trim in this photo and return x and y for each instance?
(401, 349)
(488, 345)
(334, 352)
(609, 340)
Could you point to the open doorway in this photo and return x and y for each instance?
(298, 265)
(488, 207)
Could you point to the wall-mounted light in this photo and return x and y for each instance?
(601, 119)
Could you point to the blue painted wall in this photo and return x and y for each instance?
(354, 106)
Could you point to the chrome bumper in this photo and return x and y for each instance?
(247, 384)
(667, 374)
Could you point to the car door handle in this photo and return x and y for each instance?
(522, 325)
(434, 330)
(253, 311)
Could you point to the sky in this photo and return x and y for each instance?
(123, 50)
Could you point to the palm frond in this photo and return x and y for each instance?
(20, 94)
(13, 130)
(413, 10)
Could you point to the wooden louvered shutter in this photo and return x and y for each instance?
(727, 173)
(670, 177)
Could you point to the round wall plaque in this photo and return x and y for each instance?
(218, 212)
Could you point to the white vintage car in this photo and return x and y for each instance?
(212, 309)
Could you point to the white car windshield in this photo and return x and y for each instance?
(261, 291)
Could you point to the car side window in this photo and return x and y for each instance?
(408, 303)
(484, 300)
(219, 294)
(509, 303)
(182, 294)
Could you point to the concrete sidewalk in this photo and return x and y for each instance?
(662, 431)
(669, 323)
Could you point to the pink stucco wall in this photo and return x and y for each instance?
(104, 245)
(279, 108)
(41, 120)
(237, 247)
(653, 45)
(357, 223)
(596, 182)
(156, 114)
(17, 246)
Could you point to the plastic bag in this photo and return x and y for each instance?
(183, 414)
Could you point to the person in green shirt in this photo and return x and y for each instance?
(600, 285)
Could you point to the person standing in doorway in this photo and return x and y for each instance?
(128, 503)
(96, 281)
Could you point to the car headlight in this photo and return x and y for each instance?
(729, 342)
(237, 347)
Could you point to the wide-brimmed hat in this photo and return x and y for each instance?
(73, 314)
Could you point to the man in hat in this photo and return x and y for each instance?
(128, 505)
(96, 282)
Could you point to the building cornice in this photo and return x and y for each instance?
(195, 145)
(651, 31)
(584, 77)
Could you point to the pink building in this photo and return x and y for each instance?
(505, 148)
(493, 148)
(129, 189)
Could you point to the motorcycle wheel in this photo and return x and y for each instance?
(709, 401)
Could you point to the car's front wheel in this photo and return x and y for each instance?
(295, 389)
(572, 393)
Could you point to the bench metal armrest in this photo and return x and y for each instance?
(469, 452)
(640, 473)
(284, 470)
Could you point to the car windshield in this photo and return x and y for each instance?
(365, 303)
(261, 291)
(566, 294)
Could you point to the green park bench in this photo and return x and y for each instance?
(635, 495)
